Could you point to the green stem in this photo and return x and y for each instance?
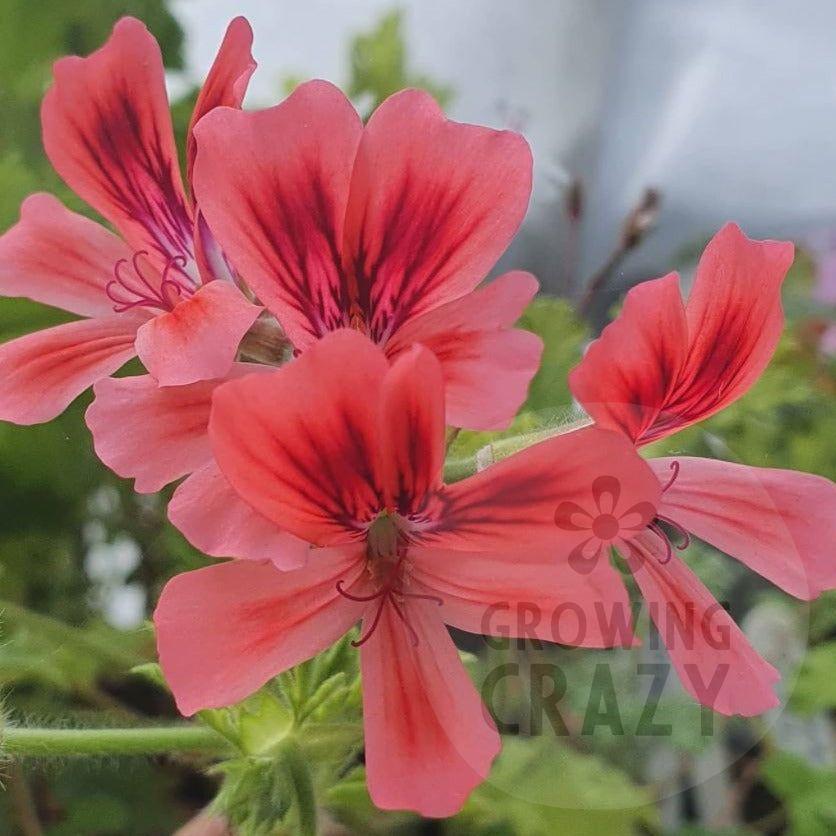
(297, 768)
(151, 740)
(457, 469)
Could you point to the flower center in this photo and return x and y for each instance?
(386, 563)
(135, 284)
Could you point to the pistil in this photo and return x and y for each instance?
(386, 554)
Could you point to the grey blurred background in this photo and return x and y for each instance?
(728, 107)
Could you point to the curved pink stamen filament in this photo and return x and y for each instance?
(434, 598)
(684, 536)
(661, 535)
(413, 636)
(363, 639)
(387, 593)
(131, 288)
(675, 469)
(358, 598)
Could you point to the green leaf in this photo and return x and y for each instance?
(808, 792)
(540, 786)
(151, 672)
(379, 67)
(563, 334)
(264, 722)
(349, 802)
(815, 688)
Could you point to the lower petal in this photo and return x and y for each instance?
(199, 338)
(429, 739)
(42, 373)
(223, 631)
(714, 660)
(154, 434)
(214, 519)
(520, 594)
(779, 523)
(487, 365)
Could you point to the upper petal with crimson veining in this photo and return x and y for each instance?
(107, 131)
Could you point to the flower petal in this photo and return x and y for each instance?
(627, 375)
(779, 523)
(525, 594)
(154, 434)
(107, 131)
(517, 499)
(714, 660)
(273, 185)
(412, 430)
(226, 83)
(433, 205)
(487, 365)
(301, 444)
(734, 321)
(42, 373)
(199, 338)
(657, 369)
(223, 631)
(429, 740)
(214, 519)
(54, 256)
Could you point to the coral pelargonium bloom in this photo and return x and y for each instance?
(386, 228)
(348, 457)
(664, 365)
(159, 290)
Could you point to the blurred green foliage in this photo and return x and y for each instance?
(379, 67)
(807, 791)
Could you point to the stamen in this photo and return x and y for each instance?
(358, 598)
(684, 536)
(413, 636)
(390, 593)
(434, 598)
(675, 469)
(363, 639)
(131, 288)
(661, 535)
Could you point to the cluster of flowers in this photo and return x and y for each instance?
(309, 317)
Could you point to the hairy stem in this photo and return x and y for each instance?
(152, 740)
(461, 468)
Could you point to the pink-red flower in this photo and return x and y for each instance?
(163, 289)
(347, 458)
(386, 228)
(664, 365)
